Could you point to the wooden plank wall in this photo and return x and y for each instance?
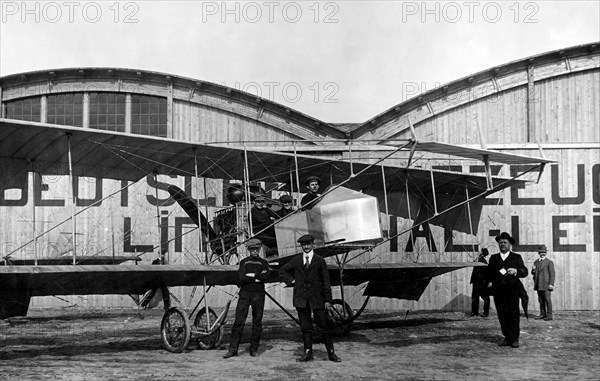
(567, 121)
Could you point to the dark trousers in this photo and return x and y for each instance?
(507, 307)
(306, 325)
(247, 299)
(545, 299)
(482, 293)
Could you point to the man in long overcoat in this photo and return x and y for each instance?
(543, 283)
(312, 295)
(504, 270)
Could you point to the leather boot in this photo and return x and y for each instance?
(308, 353)
(329, 345)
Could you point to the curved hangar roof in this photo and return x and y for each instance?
(388, 124)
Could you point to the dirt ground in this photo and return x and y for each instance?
(382, 345)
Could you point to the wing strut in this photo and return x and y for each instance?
(35, 242)
(201, 241)
(297, 174)
(247, 188)
(160, 249)
(412, 236)
(385, 196)
(72, 197)
(435, 210)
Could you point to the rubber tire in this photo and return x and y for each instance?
(210, 341)
(175, 330)
(340, 326)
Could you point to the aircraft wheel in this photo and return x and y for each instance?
(340, 322)
(200, 323)
(175, 330)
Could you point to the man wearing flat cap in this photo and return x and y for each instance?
(308, 274)
(286, 206)
(503, 273)
(312, 186)
(262, 220)
(253, 271)
(543, 283)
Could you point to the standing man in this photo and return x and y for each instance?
(543, 283)
(312, 295)
(312, 185)
(503, 274)
(252, 273)
(480, 286)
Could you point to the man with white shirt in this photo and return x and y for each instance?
(543, 283)
(312, 295)
(503, 273)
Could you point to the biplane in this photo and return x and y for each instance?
(345, 218)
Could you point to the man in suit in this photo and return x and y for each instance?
(480, 286)
(543, 283)
(312, 295)
(253, 271)
(503, 273)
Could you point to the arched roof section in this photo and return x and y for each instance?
(522, 75)
(175, 88)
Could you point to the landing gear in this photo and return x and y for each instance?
(341, 317)
(208, 340)
(175, 330)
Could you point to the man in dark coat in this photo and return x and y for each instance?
(286, 206)
(479, 283)
(253, 271)
(262, 217)
(503, 274)
(312, 295)
(312, 185)
(543, 283)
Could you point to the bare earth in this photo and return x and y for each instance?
(77, 344)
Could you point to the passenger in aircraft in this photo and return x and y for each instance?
(503, 273)
(312, 185)
(286, 206)
(480, 287)
(253, 271)
(262, 217)
(312, 295)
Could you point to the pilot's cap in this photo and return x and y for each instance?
(307, 238)
(542, 249)
(312, 178)
(285, 198)
(254, 242)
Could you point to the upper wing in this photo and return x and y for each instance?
(46, 149)
(395, 280)
(107, 154)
